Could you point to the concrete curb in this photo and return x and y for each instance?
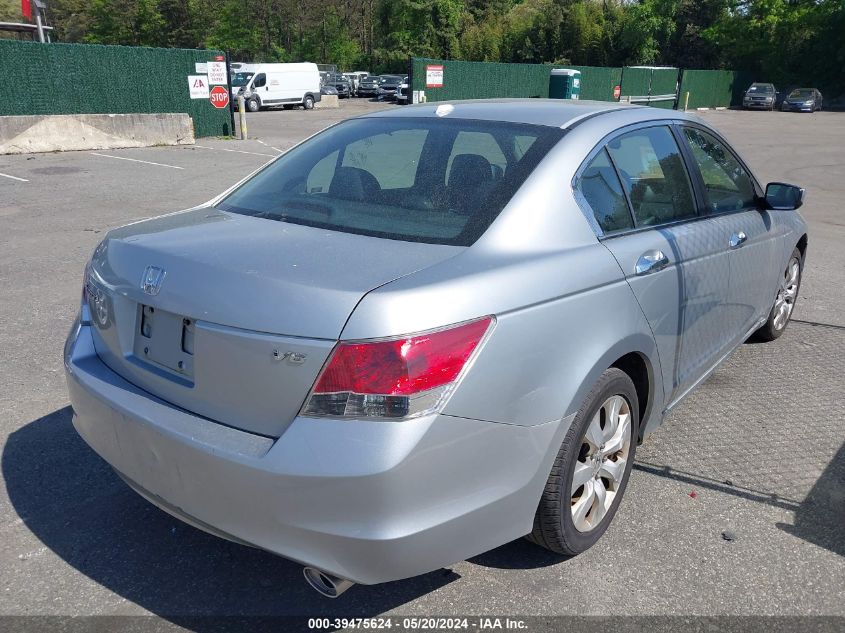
(66, 132)
(328, 101)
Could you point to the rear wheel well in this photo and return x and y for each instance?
(635, 366)
(802, 245)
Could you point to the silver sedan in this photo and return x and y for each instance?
(425, 332)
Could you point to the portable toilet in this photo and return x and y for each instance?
(564, 83)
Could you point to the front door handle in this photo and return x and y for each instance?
(737, 239)
(651, 262)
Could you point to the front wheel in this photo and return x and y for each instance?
(592, 468)
(252, 105)
(787, 295)
(308, 102)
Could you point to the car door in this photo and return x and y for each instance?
(642, 198)
(745, 231)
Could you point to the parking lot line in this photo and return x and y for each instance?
(13, 177)
(136, 160)
(239, 151)
(270, 146)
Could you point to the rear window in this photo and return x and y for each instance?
(419, 180)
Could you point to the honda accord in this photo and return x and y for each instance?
(426, 332)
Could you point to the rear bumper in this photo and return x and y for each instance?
(367, 501)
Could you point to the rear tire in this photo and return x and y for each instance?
(576, 509)
(308, 102)
(787, 295)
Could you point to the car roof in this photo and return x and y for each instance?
(549, 112)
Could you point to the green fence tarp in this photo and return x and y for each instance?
(664, 81)
(481, 80)
(93, 79)
(598, 82)
(644, 83)
(484, 80)
(713, 88)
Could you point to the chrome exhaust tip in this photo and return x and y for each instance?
(326, 584)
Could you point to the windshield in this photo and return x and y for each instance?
(419, 180)
(761, 88)
(801, 94)
(241, 79)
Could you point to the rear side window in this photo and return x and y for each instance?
(602, 191)
(441, 181)
(653, 175)
(727, 185)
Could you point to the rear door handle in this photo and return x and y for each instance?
(737, 239)
(651, 262)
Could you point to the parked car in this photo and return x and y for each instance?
(287, 365)
(341, 84)
(802, 100)
(355, 79)
(369, 86)
(278, 85)
(760, 96)
(328, 90)
(403, 92)
(387, 87)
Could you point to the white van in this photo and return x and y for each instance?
(265, 85)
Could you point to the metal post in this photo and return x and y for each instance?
(229, 88)
(242, 116)
(39, 26)
(686, 100)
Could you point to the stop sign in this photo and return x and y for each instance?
(219, 97)
(617, 91)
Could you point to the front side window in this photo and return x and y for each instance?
(600, 188)
(241, 79)
(653, 175)
(440, 181)
(727, 186)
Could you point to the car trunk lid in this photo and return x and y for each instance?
(232, 317)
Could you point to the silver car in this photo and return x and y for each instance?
(429, 331)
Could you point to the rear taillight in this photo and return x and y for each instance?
(395, 378)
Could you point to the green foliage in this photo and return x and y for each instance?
(786, 41)
(10, 11)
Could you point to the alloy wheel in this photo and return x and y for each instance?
(600, 468)
(787, 293)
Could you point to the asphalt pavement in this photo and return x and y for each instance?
(736, 505)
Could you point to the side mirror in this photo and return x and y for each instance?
(783, 197)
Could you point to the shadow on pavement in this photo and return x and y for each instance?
(79, 508)
(818, 519)
(518, 554)
(821, 518)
